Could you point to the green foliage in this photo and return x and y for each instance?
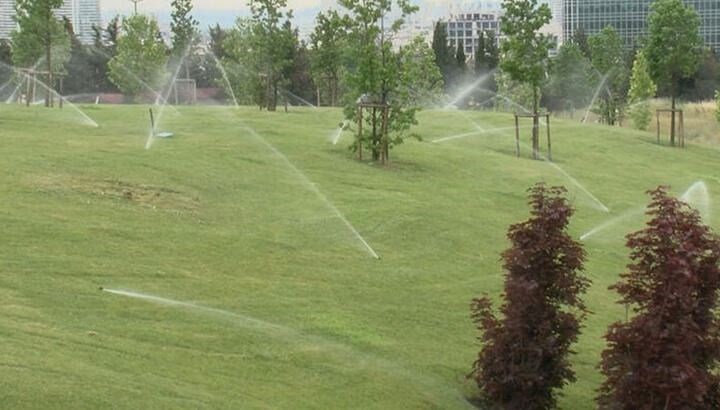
(443, 52)
(486, 61)
(524, 360)
(377, 75)
(240, 64)
(420, 72)
(642, 88)
(40, 35)
(185, 35)
(571, 83)
(580, 39)
(5, 60)
(608, 58)
(184, 27)
(525, 50)
(673, 44)
(717, 105)
(513, 96)
(259, 73)
(140, 56)
(329, 43)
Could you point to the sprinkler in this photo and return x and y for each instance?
(164, 134)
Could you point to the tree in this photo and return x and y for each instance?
(377, 74)
(185, 35)
(672, 46)
(240, 62)
(525, 50)
(300, 78)
(513, 95)
(487, 58)
(5, 52)
(702, 84)
(524, 356)
(443, 52)
(271, 40)
(642, 88)
(492, 52)
(570, 85)
(608, 58)
(580, 39)
(329, 40)
(461, 72)
(140, 57)
(420, 72)
(217, 38)
(40, 35)
(666, 356)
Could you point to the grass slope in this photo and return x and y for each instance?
(293, 311)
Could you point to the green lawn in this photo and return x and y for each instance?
(292, 311)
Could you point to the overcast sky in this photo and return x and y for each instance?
(225, 12)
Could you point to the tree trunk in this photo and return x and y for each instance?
(672, 113)
(536, 124)
(272, 98)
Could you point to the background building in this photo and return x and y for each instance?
(629, 18)
(465, 29)
(83, 14)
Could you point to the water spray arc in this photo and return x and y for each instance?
(331, 349)
(697, 196)
(313, 187)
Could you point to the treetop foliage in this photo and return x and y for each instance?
(525, 49)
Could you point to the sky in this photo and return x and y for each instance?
(224, 12)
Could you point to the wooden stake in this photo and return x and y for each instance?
(682, 129)
(547, 119)
(517, 137)
(360, 125)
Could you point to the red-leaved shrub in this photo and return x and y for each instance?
(524, 355)
(665, 355)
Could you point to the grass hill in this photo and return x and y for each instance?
(238, 279)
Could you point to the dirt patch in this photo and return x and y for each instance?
(115, 189)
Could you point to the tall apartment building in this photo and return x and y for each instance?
(465, 29)
(84, 14)
(629, 18)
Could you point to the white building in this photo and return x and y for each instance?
(83, 14)
(465, 28)
(468, 20)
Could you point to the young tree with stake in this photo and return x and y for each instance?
(525, 50)
(673, 47)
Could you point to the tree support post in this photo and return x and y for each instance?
(359, 138)
(60, 99)
(517, 137)
(682, 129)
(547, 123)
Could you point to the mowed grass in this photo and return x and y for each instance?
(293, 311)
